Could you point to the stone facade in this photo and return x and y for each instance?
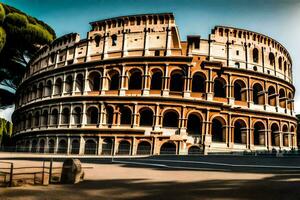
(133, 87)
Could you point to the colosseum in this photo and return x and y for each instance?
(133, 87)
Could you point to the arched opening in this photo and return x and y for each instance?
(114, 40)
(195, 150)
(34, 146)
(177, 81)
(240, 132)
(220, 87)
(40, 91)
(135, 80)
(62, 147)
(124, 148)
(285, 135)
(48, 88)
(37, 119)
(107, 145)
(218, 130)
(280, 63)
(51, 146)
(168, 148)
(271, 96)
(77, 115)
(240, 91)
(69, 84)
(258, 94)
(255, 55)
(97, 40)
(272, 59)
(75, 147)
(275, 136)
(126, 116)
(90, 147)
(92, 115)
(146, 117)
(94, 81)
(194, 125)
(282, 98)
(54, 117)
(65, 116)
(114, 81)
(29, 120)
(58, 86)
(45, 118)
(170, 119)
(259, 133)
(144, 148)
(34, 92)
(109, 115)
(156, 80)
(42, 146)
(198, 83)
(79, 83)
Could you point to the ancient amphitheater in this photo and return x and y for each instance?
(134, 87)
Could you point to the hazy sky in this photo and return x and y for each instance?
(279, 19)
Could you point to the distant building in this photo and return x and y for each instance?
(134, 87)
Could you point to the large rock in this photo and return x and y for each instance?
(72, 171)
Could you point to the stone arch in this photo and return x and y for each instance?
(45, 118)
(79, 84)
(194, 124)
(54, 116)
(109, 115)
(48, 88)
(198, 82)
(240, 90)
(259, 133)
(114, 80)
(126, 115)
(69, 84)
(285, 135)
(170, 119)
(280, 62)
(94, 78)
(65, 116)
(271, 96)
(168, 148)
(156, 79)
(177, 81)
(258, 94)
(275, 135)
(282, 98)
(62, 146)
(218, 129)
(42, 146)
(135, 79)
(34, 146)
(195, 150)
(146, 117)
(144, 148)
(272, 59)
(51, 146)
(37, 119)
(107, 146)
(58, 86)
(75, 146)
(255, 55)
(240, 132)
(40, 90)
(90, 147)
(124, 147)
(92, 115)
(77, 115)
(219, 87)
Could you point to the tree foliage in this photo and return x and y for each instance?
(21, 36)
(6, 129)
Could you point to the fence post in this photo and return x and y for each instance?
(11, 174)
(50, 170)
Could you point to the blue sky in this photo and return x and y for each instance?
(279, 19)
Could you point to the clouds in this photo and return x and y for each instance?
(6, 113)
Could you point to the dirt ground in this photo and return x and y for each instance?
(119, 181)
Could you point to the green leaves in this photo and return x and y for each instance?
(2, 38)
(5, 131)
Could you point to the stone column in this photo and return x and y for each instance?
(146, 78)
(209, 86)
(83, 114)
(135, 116)
(81, 146)
(99, 145)
(123, 82)
(74, 84)
(187, 82)
(166, 81)
(104, 82)
(157, 116)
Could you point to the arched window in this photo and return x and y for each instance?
(65, 118)
(29, 121)
(92, 115)
(62, 146)
(275, 135)
(240, 132)
(114, 81)
(168, 148)
(37, 119)
(146, 117)
(69, 84)
(285, 135)
(42, 146)
(107, 146)
(156, 80)
(97, 40)
(198, 83)
(40, 91)
(54, 117)
(34, 92)
(259, 133)
(282, 98)
(124, 148)
(79, 83)
(125, 116)
(272, 59)
(240, 92)
(284, 67)
(219, 88)
(255, 55)
(170, 119)
(194, 125)
(144, 148)
(90, 147)
(94, 81)
(58, 86)
(34, 146)
(218, 130)
(177, 81)
(109, 115)
(258, 94)
(75, 147)
(48, 88)
(280, 63)
(114, 40)
(271, 96)
(77, 115)
(135, 80)
(45, 118)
